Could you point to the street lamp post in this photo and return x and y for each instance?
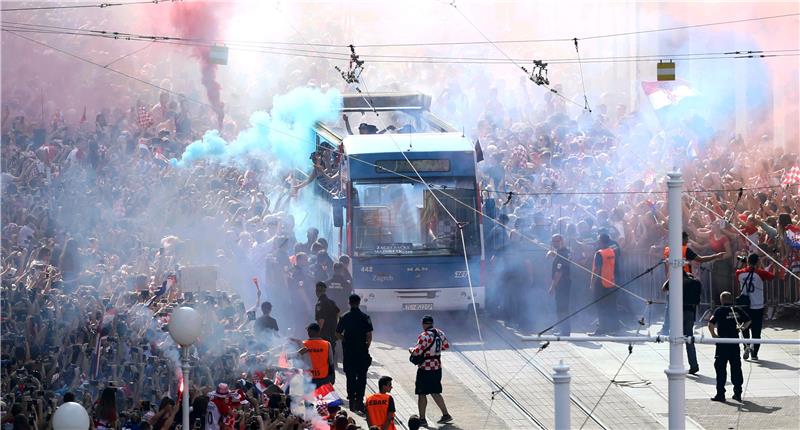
(71, 416)
(185, 325)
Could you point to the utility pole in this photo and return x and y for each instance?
(676, 372)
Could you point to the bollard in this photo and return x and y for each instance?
(561, 379)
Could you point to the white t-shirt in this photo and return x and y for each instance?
(212, 417)
(753, 286)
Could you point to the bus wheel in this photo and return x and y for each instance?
(471, 312)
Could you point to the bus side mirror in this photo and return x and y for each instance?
(337, 206)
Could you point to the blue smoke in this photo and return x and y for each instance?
(286, 132)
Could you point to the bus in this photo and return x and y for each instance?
(407, 194)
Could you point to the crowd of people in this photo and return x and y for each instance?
(97, 228)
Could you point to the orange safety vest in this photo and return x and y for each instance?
(318, 353)
(686, 267)
(607, 270)
(378, 410)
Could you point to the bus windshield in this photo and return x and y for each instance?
(404, 218)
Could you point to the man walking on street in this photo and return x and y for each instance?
(751, 284)
(727, 321)
(355, 331)
(380, 406)
(430, 344)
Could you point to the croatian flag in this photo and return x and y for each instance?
(326, 395)
(791, 177)
(667, 93)
(793, 237)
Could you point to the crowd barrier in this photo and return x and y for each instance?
(783, 290)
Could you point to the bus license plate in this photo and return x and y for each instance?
(417, 306)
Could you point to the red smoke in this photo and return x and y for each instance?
(198, 20)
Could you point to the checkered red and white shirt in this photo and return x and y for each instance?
(423, 340)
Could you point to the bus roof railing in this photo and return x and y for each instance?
(383, 102)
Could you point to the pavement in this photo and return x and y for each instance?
(505, 383)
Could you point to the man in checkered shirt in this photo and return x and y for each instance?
(429, 373)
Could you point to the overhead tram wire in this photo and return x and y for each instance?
(388, 58)
(583, 81)
(428, 44)
(129, 54)
(85, 60)
(547, 86)
(84, 6)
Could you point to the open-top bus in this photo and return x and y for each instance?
(405, 196)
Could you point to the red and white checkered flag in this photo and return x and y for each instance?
(144, 119)
(791, 177)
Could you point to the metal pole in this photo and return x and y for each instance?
(561, 379)
(185, 368)
(658, 339)
(676, 373)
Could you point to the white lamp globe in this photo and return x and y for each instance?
(185, 326)
(70, 416)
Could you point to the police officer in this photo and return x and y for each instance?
(380, 406)
(604, 275)
(355, 331)
(561, 282)
(326, 313)
(727, 321)
(320, 356)
(339, 287)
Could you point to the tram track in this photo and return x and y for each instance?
(530, 361)
(510, 397)
(542, 371)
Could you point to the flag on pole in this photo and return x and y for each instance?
(478, 151)
(83, 117)
(667, 93)
(791, 177)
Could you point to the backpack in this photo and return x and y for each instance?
(419, 359)
(743, 299)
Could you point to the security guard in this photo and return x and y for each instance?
(380, 406)
(326, 314)
(727, 321)
(320, 355)
(355, 331)
(604, 275)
